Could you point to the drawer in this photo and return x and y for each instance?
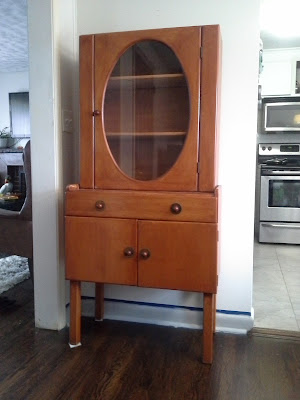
(168, 206)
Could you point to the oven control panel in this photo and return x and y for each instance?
(277, 149)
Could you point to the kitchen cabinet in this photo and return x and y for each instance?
(145, 212)
(276, 78)
(280, 72)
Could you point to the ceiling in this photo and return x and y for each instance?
(13, 36)
(274, 42)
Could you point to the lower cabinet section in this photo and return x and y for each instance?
(145, 239)
(157, 254)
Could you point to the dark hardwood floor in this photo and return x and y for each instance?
(127, 361)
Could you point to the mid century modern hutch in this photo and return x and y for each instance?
(145, 212)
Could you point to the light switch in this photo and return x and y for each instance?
(67, 120)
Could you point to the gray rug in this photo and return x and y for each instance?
(13, 270)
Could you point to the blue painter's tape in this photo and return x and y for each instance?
(142, 303)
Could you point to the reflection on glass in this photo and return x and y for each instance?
(284, 193)
(146, 110)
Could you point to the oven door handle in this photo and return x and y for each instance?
(281, 173)
(290, 226)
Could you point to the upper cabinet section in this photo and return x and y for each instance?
(146, 110)
(149, 109)
(280, 72)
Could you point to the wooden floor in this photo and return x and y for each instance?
(127, 361)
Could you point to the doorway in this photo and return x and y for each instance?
(276, 288)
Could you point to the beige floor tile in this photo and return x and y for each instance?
(271, 294)
(291, 278)
(276, 286)
(266, 264)
(288, 250)
(296, 307)
(294, 293)
(264, 251)
(291, 262)
(267, 277)
(265, 309)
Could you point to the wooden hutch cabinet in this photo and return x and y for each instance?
(146, 210)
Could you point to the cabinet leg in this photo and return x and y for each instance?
(99, 301)
(208, 327)
(75, 314)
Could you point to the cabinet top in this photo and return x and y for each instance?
(151, 31)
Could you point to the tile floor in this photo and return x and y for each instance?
(276, 294)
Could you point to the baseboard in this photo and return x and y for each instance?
(176, 316)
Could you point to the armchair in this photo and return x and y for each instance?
(16, 226)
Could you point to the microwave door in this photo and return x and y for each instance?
(282, 117)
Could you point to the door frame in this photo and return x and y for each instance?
(44, 25)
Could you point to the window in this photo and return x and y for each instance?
(19, 114)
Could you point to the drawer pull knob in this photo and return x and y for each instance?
(129, 252)
(100, 205)
(145, 253)
(96, 112)
(176, 208)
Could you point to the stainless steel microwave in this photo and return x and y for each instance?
(281, 115)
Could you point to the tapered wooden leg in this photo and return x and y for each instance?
(75, 314)
(99, 301)
(208, 328)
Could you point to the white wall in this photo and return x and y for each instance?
(239, 21)
(10, 82)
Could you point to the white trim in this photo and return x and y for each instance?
(50, 152)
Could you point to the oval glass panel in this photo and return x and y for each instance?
(146, 110)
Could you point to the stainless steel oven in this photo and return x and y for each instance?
(279, 193)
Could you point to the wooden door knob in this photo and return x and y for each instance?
(145, 253)
(129, 252)
(96, 112)
(100, 205)
(176, 208)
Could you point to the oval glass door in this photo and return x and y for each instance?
(146, 110)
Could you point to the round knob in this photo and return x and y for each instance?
(96, 112)
(176, 208)
(100, 205)
(145, 253)
(129, 252)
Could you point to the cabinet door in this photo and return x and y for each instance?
(178, 255)
(147, 90)
(276, 78)
(97, 250)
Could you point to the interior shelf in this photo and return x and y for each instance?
(146, 81)
(143, 134)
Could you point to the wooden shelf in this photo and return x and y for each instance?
(146, 81)
(143, 134)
